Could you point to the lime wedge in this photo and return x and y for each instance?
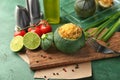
(31, 40)
(16, 44)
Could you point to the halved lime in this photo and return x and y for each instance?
(16, 44)
(31, 40)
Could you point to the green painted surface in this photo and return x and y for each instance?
(12, 67)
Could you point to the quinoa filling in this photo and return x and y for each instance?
(70, 31)
(106, 3)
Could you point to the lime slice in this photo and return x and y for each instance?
(31, 40)
(16, 44)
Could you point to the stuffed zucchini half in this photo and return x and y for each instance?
(69, 38)
(104, 4)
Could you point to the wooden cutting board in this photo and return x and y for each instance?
(40, 59)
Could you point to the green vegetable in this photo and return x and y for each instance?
(112, 31)
(85, 8)
(105, 33)
(99, 31)
(46, 40)
(96, 23)
(105, 24)
(113, 16)
(16, 44)
(31, 40)
(68, 45)
(101, 27)
(87, 35)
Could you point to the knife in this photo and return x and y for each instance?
(22, 17)
(34, 10)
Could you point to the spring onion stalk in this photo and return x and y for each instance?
(94, 31)
(112, 31)
(101, 21)
(96, 23)
(100, 28)
(105, 24)
(105, 33)
(99, 31)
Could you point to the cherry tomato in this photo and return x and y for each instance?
(38, 31)
(35, 30)
(44, 26)
(20, 33)
(29, 29)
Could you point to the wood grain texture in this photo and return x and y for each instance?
(40, 59)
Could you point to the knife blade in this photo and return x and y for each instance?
(22, 17)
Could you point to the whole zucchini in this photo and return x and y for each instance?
(85, 8)
(46, 40)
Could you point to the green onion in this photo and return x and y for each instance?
(96, 23)
(105, 33)
(105, 24)
(112, 30)
(102, 20)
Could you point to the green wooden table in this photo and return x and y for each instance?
(12, 67)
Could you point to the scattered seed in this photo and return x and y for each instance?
(45, 76)
(44, 56)
(53, 73)
(73, 70)
(64, 70)
(37, 61)
(77, 66)
(50, 57)
(41, 55)
(57, 73)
